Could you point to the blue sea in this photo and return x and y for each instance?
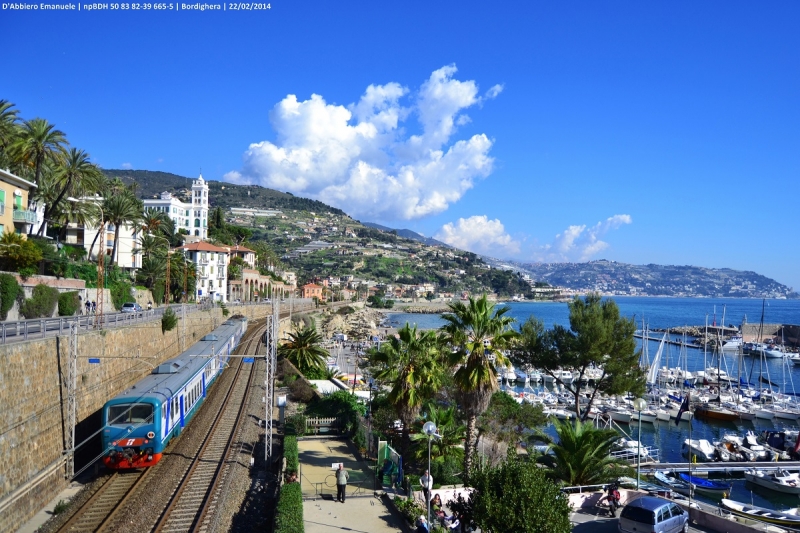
(672, 312)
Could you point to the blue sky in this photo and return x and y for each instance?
(658, 132)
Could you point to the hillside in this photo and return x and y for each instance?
(612, 277)
(408, 234)
(150, 184)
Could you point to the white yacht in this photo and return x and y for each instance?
(778, 480)
(699, 448)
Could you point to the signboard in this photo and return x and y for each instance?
(248, 359)
(94, 361)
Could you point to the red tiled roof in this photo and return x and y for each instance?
(238, 248)
(202, 246)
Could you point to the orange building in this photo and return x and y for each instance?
(312, 290)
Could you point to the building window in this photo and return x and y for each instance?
(197, 223)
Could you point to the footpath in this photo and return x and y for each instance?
(364, 511)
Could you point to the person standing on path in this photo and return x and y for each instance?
(427, 484)
(341, 483)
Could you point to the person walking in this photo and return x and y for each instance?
(94, 307)
(341, 483)
(426, 480)
(88, 307)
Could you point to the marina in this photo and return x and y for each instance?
(662, 436)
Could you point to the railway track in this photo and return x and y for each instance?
(100, 512)
(100, 509)
(192, 499)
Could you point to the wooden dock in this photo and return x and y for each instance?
(668, 341)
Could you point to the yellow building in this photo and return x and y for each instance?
(14, 213)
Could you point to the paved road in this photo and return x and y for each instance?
(587, 522)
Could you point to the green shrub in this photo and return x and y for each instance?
(168, 320)
(291, 453)
(26, 272)
(295, 424)
(68, 303)
(289, 511)
(158, 292)
(410, 509)
(60, 507)
(445, 471)
(120, 292)
(41, 304)
(9, 289)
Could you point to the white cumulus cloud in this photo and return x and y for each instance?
(480, 235)
(361, 158)
(581, 243)
(126, 166)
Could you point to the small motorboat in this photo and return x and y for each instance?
(678, 485)
(761, 513)
(778, 480)
(706, 485)
(699, 448)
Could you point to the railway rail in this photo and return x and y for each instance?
(101, 511)
(192, 499)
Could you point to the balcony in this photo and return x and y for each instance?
(25, 216)
(202, 261)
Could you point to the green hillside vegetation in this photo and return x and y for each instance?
(150, 184)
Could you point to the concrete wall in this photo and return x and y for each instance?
(33, 397)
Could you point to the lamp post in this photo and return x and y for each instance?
(430, 430)
(639, 405)
(100, 259)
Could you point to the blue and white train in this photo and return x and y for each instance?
(139, 422)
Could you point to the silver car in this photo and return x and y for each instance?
(649, 514)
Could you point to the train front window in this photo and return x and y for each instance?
(130, 413)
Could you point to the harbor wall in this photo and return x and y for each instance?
(33, 396)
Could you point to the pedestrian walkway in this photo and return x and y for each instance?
(362, 512)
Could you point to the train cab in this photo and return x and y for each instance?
(130, 434)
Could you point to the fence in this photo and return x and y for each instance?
(316, 426)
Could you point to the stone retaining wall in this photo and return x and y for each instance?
(33, 397)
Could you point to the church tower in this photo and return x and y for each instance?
(200, 208)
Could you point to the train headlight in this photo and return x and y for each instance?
(151, 435)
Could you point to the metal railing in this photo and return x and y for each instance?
(40, 328)
(25, 215)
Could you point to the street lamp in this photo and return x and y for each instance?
(100, 259)
(430, 430)
(639, 405)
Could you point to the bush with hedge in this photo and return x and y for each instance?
(9, 290)
(68, 303)
(289, 511)
(292, 454)
(41, 304)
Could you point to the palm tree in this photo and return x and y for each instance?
(581, 456)
(76, 176)
(303, 349)
(38, 142)
(121, 208)
(9, 130)
(154, 220)
(478, 333)
(451, 430)
(410, 364)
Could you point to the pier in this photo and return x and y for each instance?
(720, 468)
(667, 341)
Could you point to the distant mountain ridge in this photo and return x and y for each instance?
(150, 184)
(408, 234)
(612, 277)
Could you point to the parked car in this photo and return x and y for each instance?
(650, 513)
(131, 307)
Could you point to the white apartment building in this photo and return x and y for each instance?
(127, 256)
(192, 217)
(211, 263)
